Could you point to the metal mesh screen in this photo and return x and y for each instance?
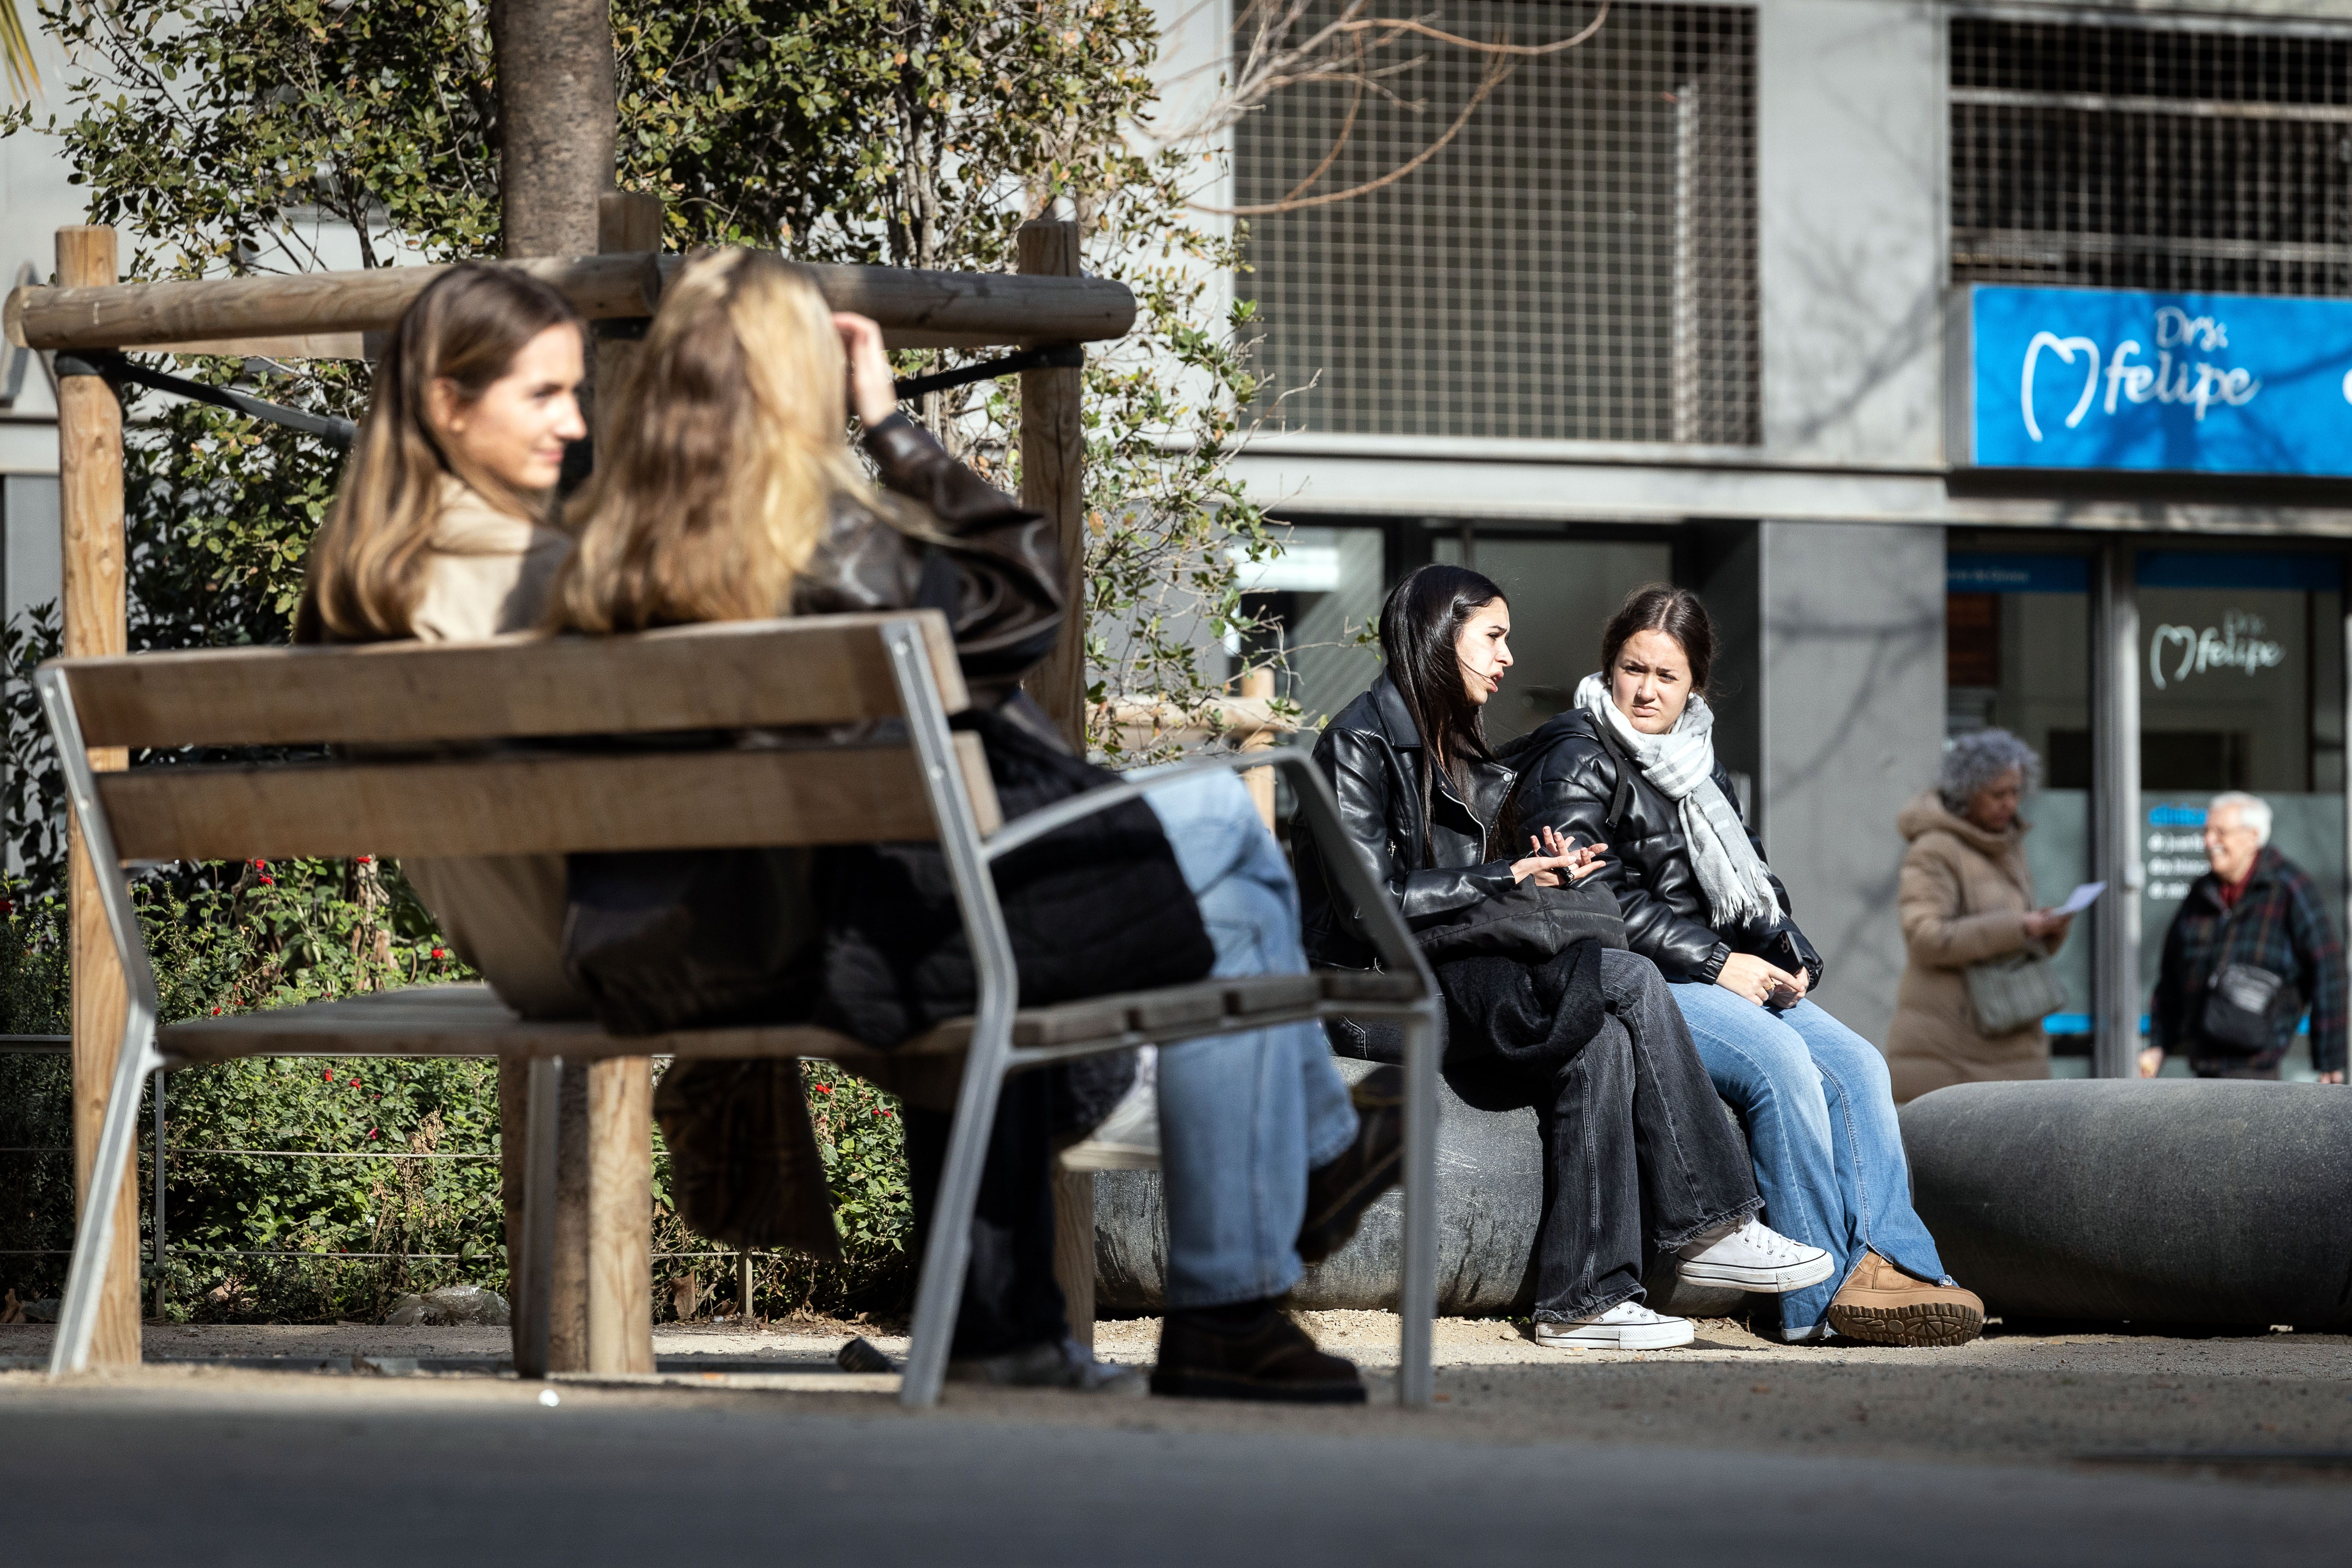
(2146, 157)
(1580, 261)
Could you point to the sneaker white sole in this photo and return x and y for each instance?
(1618, 1336)
(1764, 1281)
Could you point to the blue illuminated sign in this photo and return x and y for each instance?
(2096, 378)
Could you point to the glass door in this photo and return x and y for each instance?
(2242, 687)
(2017, 656)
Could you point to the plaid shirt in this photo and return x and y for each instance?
(2279, 924)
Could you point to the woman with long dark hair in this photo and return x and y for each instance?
(1632, 1134)
(1633, 761)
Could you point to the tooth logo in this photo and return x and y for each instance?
(2065, 349)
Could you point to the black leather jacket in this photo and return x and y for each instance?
(1570, 781)
(1373, 757)
(997, 562)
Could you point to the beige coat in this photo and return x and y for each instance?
(491, 573)
(1964, 896)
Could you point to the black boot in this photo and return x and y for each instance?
(1339, 1193)
(1250, 1351)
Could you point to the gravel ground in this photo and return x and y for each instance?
(2261, 1406)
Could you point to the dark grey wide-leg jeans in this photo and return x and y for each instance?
(1637, 1147)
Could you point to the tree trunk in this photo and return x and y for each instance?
(557, 117)
(557, 111)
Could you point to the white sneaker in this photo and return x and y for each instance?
(1752, 1257)
(1627, 1326)
(1129, 1138)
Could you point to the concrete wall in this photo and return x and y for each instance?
(1853, 714)
(1851, 223)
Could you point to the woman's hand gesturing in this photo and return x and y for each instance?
(1553, 863)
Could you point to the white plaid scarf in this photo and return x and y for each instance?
(1681, 763)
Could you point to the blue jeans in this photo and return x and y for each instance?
(1243, 1118)
(1820, 1125)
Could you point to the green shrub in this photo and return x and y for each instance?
(300, 1189)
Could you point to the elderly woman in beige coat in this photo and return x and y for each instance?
(1966, 897)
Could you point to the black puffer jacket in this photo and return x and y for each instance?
(1373, 757)
(1572, 781)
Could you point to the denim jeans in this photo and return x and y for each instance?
(1821, 1123)
(1636, 1149)
(1243, 1118)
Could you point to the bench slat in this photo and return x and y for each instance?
(469, 1020)
(524, 804)
(828, 669)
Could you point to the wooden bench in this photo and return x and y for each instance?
(483, 773)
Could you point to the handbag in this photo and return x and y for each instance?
(2008, 993)
(1530, 923)
(2241, 1004)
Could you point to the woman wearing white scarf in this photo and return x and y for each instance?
(1632, 765)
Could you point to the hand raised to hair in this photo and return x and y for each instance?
(873, 390)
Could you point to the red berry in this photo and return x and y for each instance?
(269, 881)
(438, 953)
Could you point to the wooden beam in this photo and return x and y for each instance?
(141, 315)
(1052, 482)
(916, 309)
(89, 486)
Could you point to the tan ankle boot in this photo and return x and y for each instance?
(1881, 1305)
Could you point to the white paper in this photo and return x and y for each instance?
(2080, 899)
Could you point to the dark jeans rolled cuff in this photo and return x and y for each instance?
(1573, 1314)
(1729, 1217)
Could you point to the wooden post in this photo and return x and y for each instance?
(1259, 684)
(1052, 480)
(620, 1216)
(620, 1091)
(627, 222)
(90, 491)
(1074, 1250)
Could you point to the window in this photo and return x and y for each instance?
(2175, 158)
(1579, 262)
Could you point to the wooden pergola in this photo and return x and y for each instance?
(601, 1291)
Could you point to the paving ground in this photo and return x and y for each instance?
(2072, 1448)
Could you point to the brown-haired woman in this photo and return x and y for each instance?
(1633, 764)
(1636, 1156)
(443, 530)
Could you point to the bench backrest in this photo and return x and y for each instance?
(433, 764)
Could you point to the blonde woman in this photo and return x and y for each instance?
(726, 493)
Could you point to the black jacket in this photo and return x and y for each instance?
(1570, 780)
(964, 547)
(1373, 757)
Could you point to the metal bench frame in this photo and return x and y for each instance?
(991, 1042)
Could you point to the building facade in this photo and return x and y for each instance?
(1979, 364)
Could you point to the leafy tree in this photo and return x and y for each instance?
(247, 136)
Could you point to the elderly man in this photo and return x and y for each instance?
(2251, 948)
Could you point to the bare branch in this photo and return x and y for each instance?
(1494, 79)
